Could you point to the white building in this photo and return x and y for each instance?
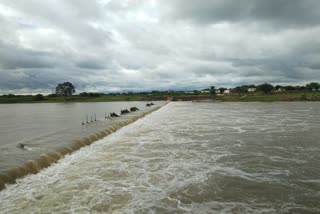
(205, 91)
(280, 90)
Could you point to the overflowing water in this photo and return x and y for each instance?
(188, 158)
(42, 128)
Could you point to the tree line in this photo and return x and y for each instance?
(267, 88)
(66, 89)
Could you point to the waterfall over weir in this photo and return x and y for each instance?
(9, 176)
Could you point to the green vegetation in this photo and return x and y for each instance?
(270, 97)
(212, 91)
(269, 93)
(243, 88)
(221, 90)
(65, 89)
(245, 93)
(265, 88)
(38, 97)
(73, 98)
(232, 97)
(313, 86)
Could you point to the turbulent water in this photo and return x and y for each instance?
(188, 158)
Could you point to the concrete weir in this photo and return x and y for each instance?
(46, 159)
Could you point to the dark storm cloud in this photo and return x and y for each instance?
(111, 45)
(27, 79)
(15, 58)
(91, 63)
(314, 66)
(294, 13)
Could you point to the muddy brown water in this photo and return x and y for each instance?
(188, 158)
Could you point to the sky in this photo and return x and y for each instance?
(142, 45)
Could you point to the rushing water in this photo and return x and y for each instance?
(188, 158)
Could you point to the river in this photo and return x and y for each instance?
(188, 158)
(45, 127)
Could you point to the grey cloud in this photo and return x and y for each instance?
(71, 17)
(14, 58)
(90, 65)
(88, 62)
(291, 13)
(314, 65)
(143, 45)
(32, 79)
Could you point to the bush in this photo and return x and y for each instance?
(313, 86)
(265, 88)
(52, 95)
(11, 95)
(38, 97)
(89, 94)
(289, 88)
(83, 94)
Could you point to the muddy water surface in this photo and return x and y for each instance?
(188, 158)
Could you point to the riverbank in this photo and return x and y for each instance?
(252, 97)
(272, 97)
(234, 97)
(74, 98)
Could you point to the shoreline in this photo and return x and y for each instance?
(233, 97)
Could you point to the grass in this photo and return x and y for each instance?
(272, 97)
(247, 97)
(105, 98)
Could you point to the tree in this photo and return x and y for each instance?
(65, 89)
(277, 87)
(266, 88)
(212, 91)
(83, 94)
(52, 95)
(243, 88)
(313, 86)
(38, 97)
(222, 90)
(289, 88)
(196, 92)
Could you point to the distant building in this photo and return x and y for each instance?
(227, 91)
(280, 90)
(206, 91)
(252, 89)
(189, 92)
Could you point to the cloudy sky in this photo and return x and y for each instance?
(136, 45)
